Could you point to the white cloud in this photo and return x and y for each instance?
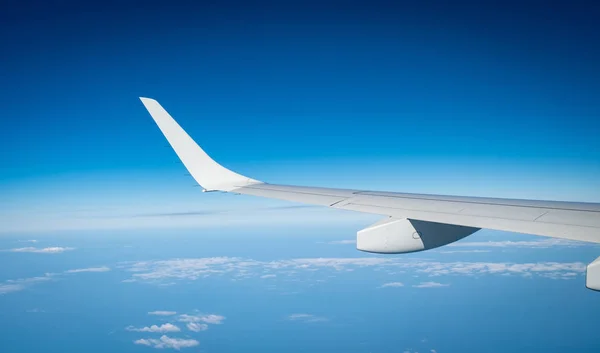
(268, 276)
(464, 251)
(143, 342)
(51, 250)
(162, 313)
(16, 285)
(546, 243)
(8, 288)
(193, 326)
(35, 310)
(22, 283)
(433, 351)
(167, 342)
(308, 318)
(392, 285)
(209, 319)
(89, 269)
(342, 242)
(430, 285)
(154, 328)
(28, 241)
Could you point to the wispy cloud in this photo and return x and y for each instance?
(239, 268)
(463, 251)
(167, 342)
(214, 212)
(8, 288)
(35, 310)
(392, 285)
(51, 250)
(155, 328)
(27, 241)
(162, 313)
(554, 270)
(307, 318)
(342, 242)
(89, 269)
(430, 285)
(196, 327)
(16, 285)
(268, 276)
(546, 243)
(22, 283)
(181, 213)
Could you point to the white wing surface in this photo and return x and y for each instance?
(415, 221)
(568, 220)
(208, 173)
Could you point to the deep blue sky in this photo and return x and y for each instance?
(499, 96)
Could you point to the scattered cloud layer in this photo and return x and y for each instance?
(240, 268)
(307, 318)
(167, 342)
(164, 328)
(51, 250)
(195, 322)
(430, 285)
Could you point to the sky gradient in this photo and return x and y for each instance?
(484, 99)
(106, 245)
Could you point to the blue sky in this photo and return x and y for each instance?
(100, 228)
(469, 98)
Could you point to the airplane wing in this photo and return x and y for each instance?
(414, 222)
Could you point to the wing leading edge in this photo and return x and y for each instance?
(415, 221)
(566, 220)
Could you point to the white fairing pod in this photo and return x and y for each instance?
(592, 278)
(397, 236)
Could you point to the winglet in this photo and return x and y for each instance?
(208, 173)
